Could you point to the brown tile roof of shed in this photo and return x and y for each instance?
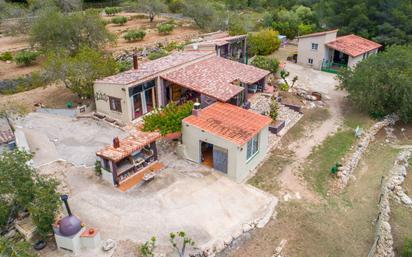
(353, 45)
(6, 133)
(214, 77)
(128, 145)
(150, 68)
(230, 122)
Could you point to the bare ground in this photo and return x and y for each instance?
(55, 96)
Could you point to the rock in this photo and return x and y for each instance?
(246, 228)
(406, 199)
(228, 240)
(108, 245)
(237, 233)
(219, 246)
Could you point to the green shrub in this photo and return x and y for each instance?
(169, 119)
(174, 45)
(5, 210)
(26, 57)
(176, 6)
(119, 20)
(98, 168)
(264, 42)
(156, 55)
(134, 35)
(112, 10)
(284, 87)
(270, 64)
(124, 65)
(6, 56)
(274, 109)
(165, 28)
(407, 248)
(44, 207)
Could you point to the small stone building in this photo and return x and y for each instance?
(325, 51)
(227, 138)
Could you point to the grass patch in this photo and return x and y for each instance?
(401, 222)
(341, 226)
(353, 117)
(266, 177)
(317, 170)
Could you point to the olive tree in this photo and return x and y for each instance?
(382, 84)
(54, 30)
(78, 72)
(152, 7)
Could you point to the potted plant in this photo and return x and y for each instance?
(277, 125)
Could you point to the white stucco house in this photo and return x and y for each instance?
(326, 51)
(226, 137)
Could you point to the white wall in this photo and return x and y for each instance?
(305, 49)
(103, 105)
(238, 167)
(353, 61)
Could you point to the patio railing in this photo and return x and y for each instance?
(332, 67)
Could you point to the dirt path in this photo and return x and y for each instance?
(292, 184)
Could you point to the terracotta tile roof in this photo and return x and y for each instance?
(223, 40)
(6, 134)
(316, 34)
(214, 77)
(353, 45)
(128, 145)
(147, 69)
(230, 122)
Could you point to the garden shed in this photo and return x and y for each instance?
(226, 137)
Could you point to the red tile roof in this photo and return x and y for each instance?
(214, 77)
(147, 69)
(316, 34)
(230, 122)
(353, 45)
(128, 145)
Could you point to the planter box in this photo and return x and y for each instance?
(277, 126)
(296, 108)
(174, 135)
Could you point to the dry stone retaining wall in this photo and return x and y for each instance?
(383, 245)
(345, 172)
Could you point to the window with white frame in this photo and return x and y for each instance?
(310, 61)
(252, 147)
(315, 46)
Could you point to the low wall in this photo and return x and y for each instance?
(383, 243)
(345, 172)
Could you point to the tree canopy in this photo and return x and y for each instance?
(382, 84)
(55, 30)
(22, 188)
(78, 72)
(263, 42)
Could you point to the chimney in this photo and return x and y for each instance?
(135, 62)
(116, 142)
(196, 109)
(66, 203)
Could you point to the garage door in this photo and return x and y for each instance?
(220, 159)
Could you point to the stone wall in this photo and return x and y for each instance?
(345, 172)
(383, 243)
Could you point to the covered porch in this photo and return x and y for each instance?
(334, 60)
(214, 79)
(130, 161)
